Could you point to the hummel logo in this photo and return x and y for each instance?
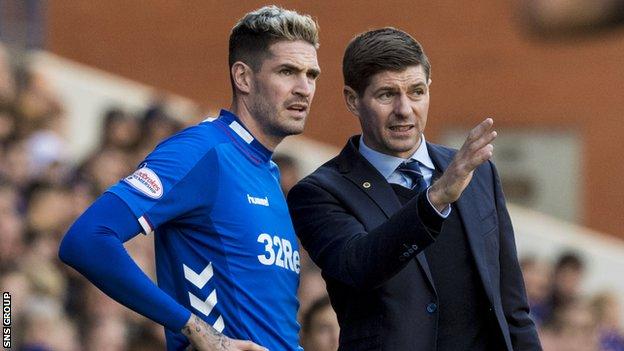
(258, 200)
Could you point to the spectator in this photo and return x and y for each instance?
(566, 283)
(572, 327)
(40, 194)
(537, 277)
(608, 310)
(120, 130)
(7, 84)
(320, 329)
(156, 125)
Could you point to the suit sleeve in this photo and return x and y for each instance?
(515, 306)
(342, 247)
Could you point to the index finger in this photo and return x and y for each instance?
(481, 128)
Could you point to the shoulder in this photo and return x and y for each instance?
(318, 182)
(195, 139)
(193, 148)
(329, 172)
(189, 145)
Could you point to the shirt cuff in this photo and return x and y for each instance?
(445, 212)
(430, 218)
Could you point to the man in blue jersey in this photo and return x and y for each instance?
(226, 253)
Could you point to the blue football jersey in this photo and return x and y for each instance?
(225, 245)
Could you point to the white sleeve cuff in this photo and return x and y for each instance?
(445, 212)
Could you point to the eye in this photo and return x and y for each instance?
(313, 75)
(286, 71)
(386, 95)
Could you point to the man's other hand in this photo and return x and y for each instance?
(203, 337)
(476, 150)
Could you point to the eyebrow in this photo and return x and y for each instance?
(391, 88)
(386, 88)
(313, 71)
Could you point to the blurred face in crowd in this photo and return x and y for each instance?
(11, 238)
(49, 211)
(122, 132)
(323, 332)
(108, 167)
(17, 163)
(568, 280)
(537, 278)
(16, 281)
(578, 328)
(282, 89)
(392, 110)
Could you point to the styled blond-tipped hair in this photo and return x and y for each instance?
(252, 36)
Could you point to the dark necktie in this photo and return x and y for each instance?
(411, 169)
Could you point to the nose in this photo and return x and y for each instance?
(304, 86)
(402, 106)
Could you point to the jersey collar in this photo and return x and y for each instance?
(243, 135)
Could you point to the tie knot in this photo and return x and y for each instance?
(410, 166)
(411, 169)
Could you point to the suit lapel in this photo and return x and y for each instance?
(468, 208)
(365, 176)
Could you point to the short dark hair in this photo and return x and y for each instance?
(384, 49)
(257, 30)
(569, 259)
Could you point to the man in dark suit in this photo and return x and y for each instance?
(414, 239)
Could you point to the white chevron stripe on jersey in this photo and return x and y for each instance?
(206, 306)
(219, 325)
(199, 280)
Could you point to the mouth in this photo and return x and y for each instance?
(298, 107)
(401, 128)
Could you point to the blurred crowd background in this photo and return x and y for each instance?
(43, 189)
(54, 308)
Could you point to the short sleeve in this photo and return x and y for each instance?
(176, 180)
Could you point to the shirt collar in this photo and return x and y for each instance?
(387, 164)
(239, 129)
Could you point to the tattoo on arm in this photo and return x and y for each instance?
(207, 334)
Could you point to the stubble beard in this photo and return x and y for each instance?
(269, 119)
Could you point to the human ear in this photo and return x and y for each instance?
(351, 99)
(242, 76)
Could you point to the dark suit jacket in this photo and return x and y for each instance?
(351, 222)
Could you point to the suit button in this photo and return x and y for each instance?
(432, 307)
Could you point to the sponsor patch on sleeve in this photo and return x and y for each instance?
(146, 181)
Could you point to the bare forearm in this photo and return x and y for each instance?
(204, 337)
(200, 333)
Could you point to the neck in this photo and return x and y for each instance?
(241, 110)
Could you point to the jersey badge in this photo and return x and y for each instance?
(146, 181)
